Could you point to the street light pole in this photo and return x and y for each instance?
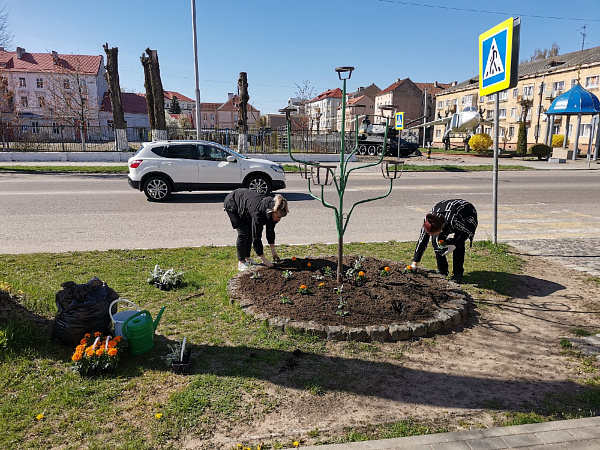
(195, 39)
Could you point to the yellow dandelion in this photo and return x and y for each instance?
(296, 444)
(39, 417)
(158, 415)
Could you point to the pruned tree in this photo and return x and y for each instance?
(304, 93)
(175, 107)
(243, 112)
(114, 94)
(155, 95)
(526, 105)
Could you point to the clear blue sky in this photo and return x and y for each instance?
(282, 43)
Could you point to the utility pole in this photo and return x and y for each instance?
(537, 128)
(195, 38)
(424, 121)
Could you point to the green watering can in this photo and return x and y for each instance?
(139, 330)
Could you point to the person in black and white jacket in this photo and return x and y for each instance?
(449, 224)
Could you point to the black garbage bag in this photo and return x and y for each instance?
(83, 308)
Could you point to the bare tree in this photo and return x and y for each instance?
(243, 112)
(6, 37)
(114, 93)
(539, 54)
(70, 98)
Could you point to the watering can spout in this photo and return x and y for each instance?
(157, 320)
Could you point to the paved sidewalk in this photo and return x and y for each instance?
(564, 434)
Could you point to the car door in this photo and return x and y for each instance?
(214, 167)
(180, 162)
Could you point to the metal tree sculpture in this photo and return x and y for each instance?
(323, 175)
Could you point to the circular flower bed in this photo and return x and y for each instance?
(376, 300)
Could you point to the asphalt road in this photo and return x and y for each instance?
(67, 212)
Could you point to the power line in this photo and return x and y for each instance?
(454, 8)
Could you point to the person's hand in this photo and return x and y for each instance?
(448, 249)
(265, 261)
(275, 255)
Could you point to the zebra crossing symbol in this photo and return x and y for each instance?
(494, 64)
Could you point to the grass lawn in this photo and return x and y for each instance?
(144, 405)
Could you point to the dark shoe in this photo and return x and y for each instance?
(440, 273)
(457, 279)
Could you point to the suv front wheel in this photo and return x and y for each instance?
(157, 189)
(259, 184)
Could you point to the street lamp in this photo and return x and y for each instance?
(340, 181)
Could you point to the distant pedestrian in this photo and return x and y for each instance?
(449, 224)
(250, 212)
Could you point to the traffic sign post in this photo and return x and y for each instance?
(399, 120)
(498, 71)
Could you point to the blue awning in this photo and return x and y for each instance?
(575, 101)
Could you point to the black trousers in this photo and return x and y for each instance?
(243, 244)
(458, 259)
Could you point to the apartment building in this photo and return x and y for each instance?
(321, 111)
(540, 82)
(51, 88)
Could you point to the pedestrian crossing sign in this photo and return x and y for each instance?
(399, 120)
(499, 57)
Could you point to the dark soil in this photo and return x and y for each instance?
(375, 300)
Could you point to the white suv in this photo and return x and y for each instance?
(161, 167)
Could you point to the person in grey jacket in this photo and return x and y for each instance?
(449, 224)
(250, 213)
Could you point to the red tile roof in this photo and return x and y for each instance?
(331, 93)
(44, 62)
(432, 88)
(231, 105)
(169, 96)
(132, 103)
(391, 87)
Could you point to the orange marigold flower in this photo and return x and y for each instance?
(308, 264)
(76, 356)
(83, 341)
(112, 344)
(293, 258)
(302, 286)
(387, 269)
(112, 352)
(89, 351)
(100, 351)
(87, 335)
(118, 338)
(321, 284)
(97, 333)
(361, 274)
(80, 348)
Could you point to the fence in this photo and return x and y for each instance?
(65, 138)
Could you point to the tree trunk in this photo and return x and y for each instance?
(114, 93)
(243, 113)
(149, 94)
(158, 96)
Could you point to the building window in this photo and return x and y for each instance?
(591, 82)
(55, 128)
(447, 103)
(513, 112)
(39, 82)
(558, 86)
(490, 114)
(212, 117)
(491, 98)
(539, 110)
(502, 113)
(41, 101)
(455, 101)
(24, 102)
(481, 99)
(501, 132)
(438, 133)
(503, 95)
(22, 82)
(536, 131)
(573, 82)
(528, 90)
(584, 130)
(35, 127)
(441, 104)
(556, 129)
(66, 84)
(515, 92)
(467, 100)
(570, 132)
(487, 130)
(511, 132)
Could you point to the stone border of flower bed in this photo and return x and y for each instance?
(452, 316)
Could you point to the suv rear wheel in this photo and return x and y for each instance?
(259, 184)
(157, 188)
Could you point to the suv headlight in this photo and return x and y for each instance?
(277, 168)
